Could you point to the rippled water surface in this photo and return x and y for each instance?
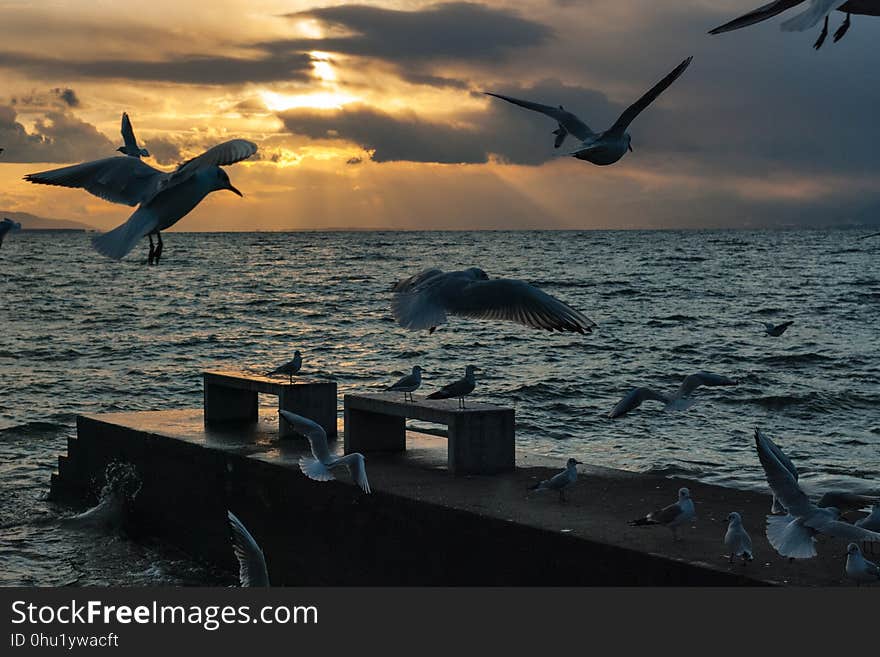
(84, 334)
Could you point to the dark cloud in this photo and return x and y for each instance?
(68, 96)
(164, 151)
(57, 137)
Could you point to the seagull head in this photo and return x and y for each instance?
(572, 463)
(145, 152)
(478, 274)
(222, 182)
(684, 494)
(852, 548)
(734, 517)
(470, 369)
(417, 369)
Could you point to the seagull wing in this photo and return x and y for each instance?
(124, 180)
(358, 468)
(251, 562)
(694, 381)
(631, 112)
(407, 381)
(311, 430)
(871, 235)
(128, 137)
(757, 15)
(229, 152)
(825, 524)
(413, 282)
(667, 514)
(568, 120)
(634, 399)
(782, 482)
(458, 388)
(779, 454)
(516, 301)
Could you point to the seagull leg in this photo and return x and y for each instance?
(562, 495)
(822, 35)
(159, 247)
(152, 254)
(842, 29)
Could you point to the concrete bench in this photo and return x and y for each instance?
(232, 397)
(481, 436)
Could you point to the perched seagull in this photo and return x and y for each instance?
(290, 368)
(164, 197)
(131, 147)
(409, 383)
(251, 562)
(872, 520)
(673, 515)
(680, 401)
(319, 468)
(817, 10)
(460, 388)
(423, 301)
(737, 539)
(561, 481)
(792, 535)
(603, 147)
(776, 329)
(858, 568)
(8, 226)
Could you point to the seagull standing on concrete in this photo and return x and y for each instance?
(737, 539)
(793, 535)
(680, 401)
(163, 197)
(423, 301)
(559, 482)
(290, 368)
(459, 389)
(8, 226)
(671, 516)
(409, 383)
(131, 147)
(858, 568)
(776, 329)
(251, 562)
(606, 147)
(817, 10)
(319, 468)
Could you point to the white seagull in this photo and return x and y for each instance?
(816, 11)
(289, 368)
(776, 329)
(858, 568)
(408, 384)
(671, 516)
(679, 401)
(458, 389)
(252, 569)
(871, 521)
(559, 482)
(319, 468)
(163, 197)
(792, 535)
(8, 226)
(423, 301)
(131, 147)
(737, 539)
(600, 148)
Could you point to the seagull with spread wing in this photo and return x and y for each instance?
(252, 569)
(679, 401)
(322, 462)
(816, 11)
(163, 198)
(131, 147)
(793, 535)
(606, 147)
(423, 301)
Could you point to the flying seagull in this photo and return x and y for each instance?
(671, 516)
(858, 568)
(737, 539)
(163, 197)
(409, 383)
(817, 10)
(319, 468)
(679, 401)
(792, 535)
(290, 368)
(560, 481)
(600, 148)
(459, 389)
(8, 226)
(251, 562)
(423, 301)
(776, 329)
(131, 147)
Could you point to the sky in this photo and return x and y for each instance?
(372, 115)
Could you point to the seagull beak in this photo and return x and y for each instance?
(232, 189)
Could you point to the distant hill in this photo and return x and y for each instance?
(33, 222)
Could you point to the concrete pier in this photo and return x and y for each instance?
(421, 525)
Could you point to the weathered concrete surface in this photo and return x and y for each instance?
(421, 526)
(481, 437)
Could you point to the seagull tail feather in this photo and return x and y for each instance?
(119, 242)
(314, 469)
